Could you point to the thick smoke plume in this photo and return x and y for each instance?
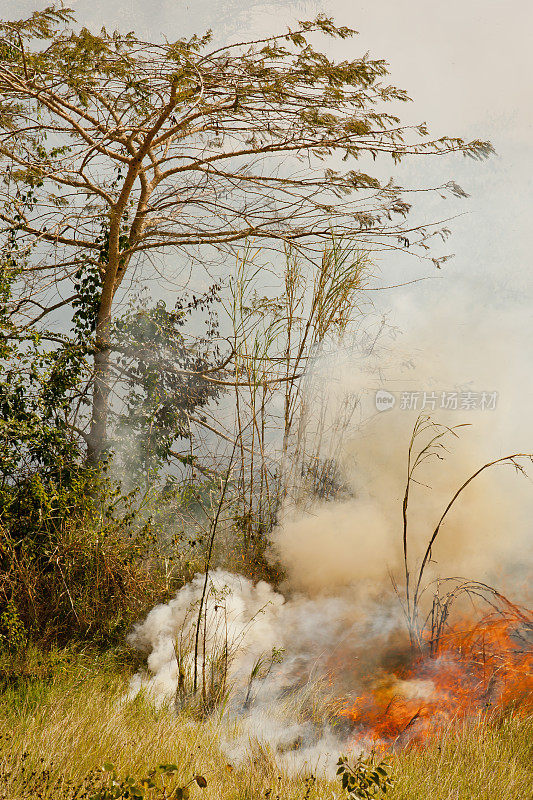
(358, 540)
(337, 622)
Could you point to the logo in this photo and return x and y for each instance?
(384, 400)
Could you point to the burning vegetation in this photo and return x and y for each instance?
(480, 667)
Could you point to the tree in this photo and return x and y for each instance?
(116, 150)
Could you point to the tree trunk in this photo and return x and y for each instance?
(112, 276)
(96, 443)
(97, 439)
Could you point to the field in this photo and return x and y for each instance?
(63, 716)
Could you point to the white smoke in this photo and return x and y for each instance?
(283, 656)
(235, 615)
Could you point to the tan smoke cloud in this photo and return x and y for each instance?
(486, 535)
(335, 545)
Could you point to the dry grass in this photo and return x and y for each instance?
(487, 760)
(63, 727)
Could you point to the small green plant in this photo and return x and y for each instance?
(159, 784)
(13, 634)
(365, 779)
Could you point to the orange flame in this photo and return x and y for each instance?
(486, 666)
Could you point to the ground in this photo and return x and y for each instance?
(63, 716)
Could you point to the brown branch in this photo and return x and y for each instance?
(511, 459)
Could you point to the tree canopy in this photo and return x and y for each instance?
(115, 149)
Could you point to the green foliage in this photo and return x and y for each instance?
(365, 779)
(37, 389)
(13, 635)
(45, 379)
(39, 382)
(158, 783)
(78, 555)
(163, 375)
(88, 287)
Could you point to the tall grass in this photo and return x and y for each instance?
(60, 724)
(487, 759)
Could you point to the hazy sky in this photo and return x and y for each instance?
(466, 63)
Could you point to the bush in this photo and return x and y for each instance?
(158, 783)
(77, 561)
(366, 779)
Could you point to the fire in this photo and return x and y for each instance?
(474, 667)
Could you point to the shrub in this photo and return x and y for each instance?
(366, 779)
(158, 783)
(77, 560)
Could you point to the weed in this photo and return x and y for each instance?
(365, 779)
